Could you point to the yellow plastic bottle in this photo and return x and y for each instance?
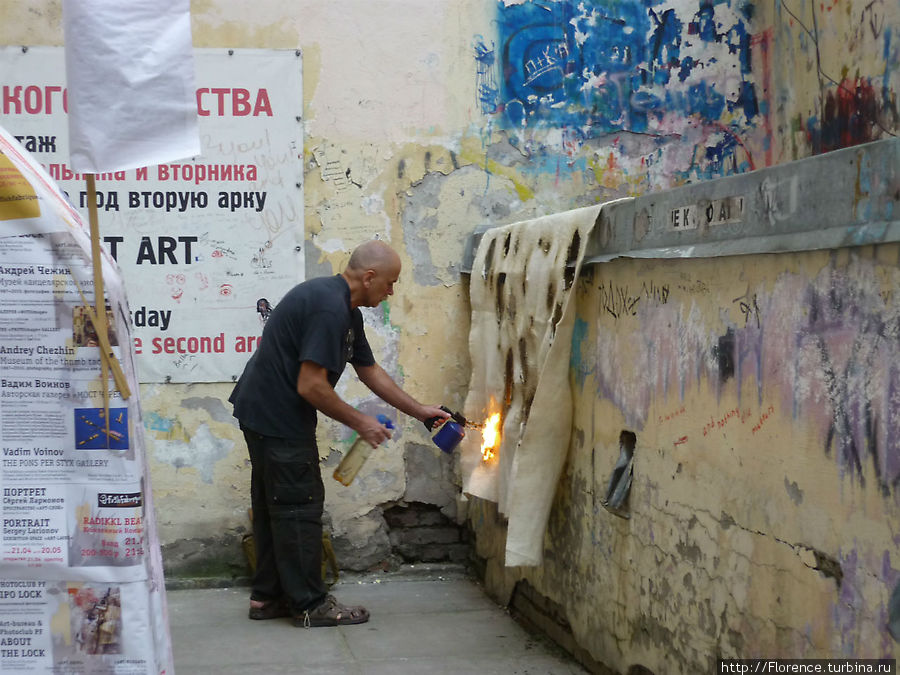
(357, 455)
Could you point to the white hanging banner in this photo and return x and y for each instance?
(130, 77)
(520, 368)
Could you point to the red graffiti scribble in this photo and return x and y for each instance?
(728, 131)
(763, 418)
(672, 415)
(177, 281)
(681, 440)
(225, 290)
(851, 116)
(725, 419)
(217, 254)
(762, 42)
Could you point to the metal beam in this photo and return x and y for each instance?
(849, 197)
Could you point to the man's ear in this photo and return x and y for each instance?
(367, 277)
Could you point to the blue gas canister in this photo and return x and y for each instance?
(450, 432)
(449, 436)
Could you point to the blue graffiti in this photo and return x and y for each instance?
(606, 67)
(154, 422)
(704, 25)
(747, 100)
(580, 333)
(665, 43)
(488, 92)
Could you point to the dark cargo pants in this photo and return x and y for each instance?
(288, 498)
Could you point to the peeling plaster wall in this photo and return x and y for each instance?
(763, 516)
(426, 120)
(389, 105)
(199, 469)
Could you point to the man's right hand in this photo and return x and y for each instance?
(313, 385)
(373, 431)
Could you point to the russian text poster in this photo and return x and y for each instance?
(205, 244)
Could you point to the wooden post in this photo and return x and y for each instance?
(99, 318)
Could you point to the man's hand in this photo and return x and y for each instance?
(429, 412)
(376, 379)
(373, 431)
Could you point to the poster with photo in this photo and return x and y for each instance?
(74, 627)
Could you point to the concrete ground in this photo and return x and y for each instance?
(435, 623)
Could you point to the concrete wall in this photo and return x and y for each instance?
(762, 519)
(425, 120)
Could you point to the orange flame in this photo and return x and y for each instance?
(490, 437)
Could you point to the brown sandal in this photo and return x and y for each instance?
(332, 613)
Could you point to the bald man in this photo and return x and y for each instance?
(309, 337)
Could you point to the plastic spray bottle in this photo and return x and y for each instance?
(357, 455)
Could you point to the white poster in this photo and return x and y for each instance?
(205, 244)
(81, 583)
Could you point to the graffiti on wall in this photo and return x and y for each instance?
(654, 70)
(611, 67)
(824, 350)
(854, 99)
(855, 112)
(641, 95)
(850, 338)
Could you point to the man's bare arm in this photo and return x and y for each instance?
(376, 378)
(313, 385)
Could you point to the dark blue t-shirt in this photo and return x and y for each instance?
(313, 322)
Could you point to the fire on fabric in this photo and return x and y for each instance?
(490, 437)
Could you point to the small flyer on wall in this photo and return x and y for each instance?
(81, 584)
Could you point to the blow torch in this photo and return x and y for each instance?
(450, 432)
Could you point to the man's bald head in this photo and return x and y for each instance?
(371, 273)
(372, 255)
